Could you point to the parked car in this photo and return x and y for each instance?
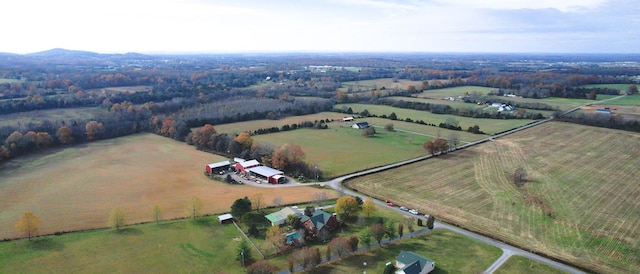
(403, 208)
(414, 211)
(389, 203)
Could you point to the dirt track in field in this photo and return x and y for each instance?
(76, 188)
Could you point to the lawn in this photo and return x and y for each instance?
(453, 253)
(180, 246)
(75, 188)
(489, 126)
(519, 264)
(580, 202)
(341, 149)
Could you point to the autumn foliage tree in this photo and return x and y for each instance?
(346, 207)
(204, 137)
(245, 140)
(275, 237)
(286, 156)
(368, 207)
(28, 224)
(65, 135)
(116, 219)
(377, 232)
(339, 246)
(194, 207)
(93, 130)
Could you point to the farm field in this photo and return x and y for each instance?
(38, 116)
(461, 104)
(412, 129)
(376, 84)
(125, 89)
(579, 203)
(180, 246)
(620, 87)
(453, 253)
(454, 91)
(630, 100)
(77, 187)
(250, 126)
(489, 126)
(342, 150)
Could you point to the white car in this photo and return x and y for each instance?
(403, 208)
(414, 211)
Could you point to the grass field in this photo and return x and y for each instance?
(462, 105)
(620, 87)
(453, 253)
(204, 246)
(76, 188)
(386, 83)
(580, 203)
(489, 126)
(455, 91)
(235, 128)
(5, 80)
(125, 89)
(519, 264)
(38, 116)
(342, 149)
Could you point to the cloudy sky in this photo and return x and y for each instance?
(204, 26)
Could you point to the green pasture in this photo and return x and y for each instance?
(5, 81)
(453, 253)
(629, 100)
(454, 91)
(377, 84)
(342, 149)
(410, 130)
(489, 126)
(461, 104)
(172, 247)
(620, 87)
(250, 126)
(519, 264)
(579, 202)
(39, 116)
(556, 103)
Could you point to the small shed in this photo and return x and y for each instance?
(347, 119)
(225, 218)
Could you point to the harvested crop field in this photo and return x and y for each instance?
(76, 188)
(580, 201)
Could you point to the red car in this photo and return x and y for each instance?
(389, 203)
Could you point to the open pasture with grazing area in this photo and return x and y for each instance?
(61, 114)
(76, 188)
(181, 246)
(489, 126)
(579, 201)
(380, 84)
(341, 149)
(442, 93)
(458, 103)
(250, 126)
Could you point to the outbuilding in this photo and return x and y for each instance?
(360, 125)
(211, 168)
(271, 175)
(225, 218)
(244, 166)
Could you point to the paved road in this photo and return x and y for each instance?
(507, 250)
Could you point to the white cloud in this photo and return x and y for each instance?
(562, 5)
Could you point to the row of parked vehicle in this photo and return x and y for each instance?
(412, 211)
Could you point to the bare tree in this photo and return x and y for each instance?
(519, 176)
(453, 139)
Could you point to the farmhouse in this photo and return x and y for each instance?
(360, 125)
(319, 224)
(243, 166)
(408, 262)
(211, 168)
(271, 175)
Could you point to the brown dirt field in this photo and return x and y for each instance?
(76, 188)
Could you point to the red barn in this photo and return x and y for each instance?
(210, 168)
(243, 166)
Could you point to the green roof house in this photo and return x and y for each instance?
(408, 262)
(280, 217)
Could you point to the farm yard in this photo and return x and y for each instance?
(578, 203)
(76, 188)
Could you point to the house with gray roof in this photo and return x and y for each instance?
(408, 262)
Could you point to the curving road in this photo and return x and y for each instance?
(507, 250)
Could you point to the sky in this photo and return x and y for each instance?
(239, 26)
